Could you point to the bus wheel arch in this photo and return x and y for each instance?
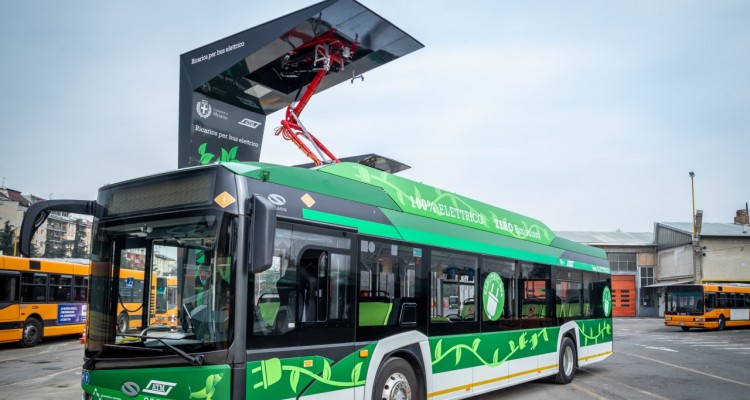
(397, 378)
(33, 331)
(722, 323)
(123, 322)
(568, 361)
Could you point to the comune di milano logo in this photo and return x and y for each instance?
(203, 108)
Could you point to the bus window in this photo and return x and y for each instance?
(9, 284)
(568, 294)
(387, 283)
(534, 285)
(453, 274)
(34, 288)
(313, 287)
(80, 287)
(60, 287)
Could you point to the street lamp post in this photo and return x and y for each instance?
(692, 188)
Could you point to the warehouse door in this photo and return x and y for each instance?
(623, 295)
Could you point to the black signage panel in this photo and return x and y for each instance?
(223, 132)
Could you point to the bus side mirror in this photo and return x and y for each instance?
(263, 232)
(38, 212)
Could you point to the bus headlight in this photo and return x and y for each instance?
(667, 318)
(700, 320)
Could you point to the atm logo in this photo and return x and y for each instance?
(249, 123)
(159, 387)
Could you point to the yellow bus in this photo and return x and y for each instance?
(708, 305)
(41, 298)
(166, 301)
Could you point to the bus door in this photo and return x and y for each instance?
(302, 337)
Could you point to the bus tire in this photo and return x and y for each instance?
(685, 328)
(568, 362)
(32, 332)
(122, 323)
(396, 380)
(722, 323)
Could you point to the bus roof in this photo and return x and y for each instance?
(425, 214)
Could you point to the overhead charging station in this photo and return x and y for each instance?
(228, 88)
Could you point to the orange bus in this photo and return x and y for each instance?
(41, 298)
(708, 305)
(166, 301)
(130, 300)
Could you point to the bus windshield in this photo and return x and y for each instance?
(685, 300)
(162, 281)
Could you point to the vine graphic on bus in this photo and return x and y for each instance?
(594, 332)
(427, 201)
(519, 345)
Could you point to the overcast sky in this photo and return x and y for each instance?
(586, 115)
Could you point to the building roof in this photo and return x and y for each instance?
(14, 195)
(610, 238)
(711, 228)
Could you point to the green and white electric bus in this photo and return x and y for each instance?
(339, 282)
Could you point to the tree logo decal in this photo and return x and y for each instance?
(493, 296)
(607, 301)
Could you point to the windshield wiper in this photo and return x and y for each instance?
(194, 360)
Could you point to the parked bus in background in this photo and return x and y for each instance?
(130, 299)
(41, 298)
(708, 305)
(163, 302)
(336, 283)
(166, 301)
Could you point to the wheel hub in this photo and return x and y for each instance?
(397, 388)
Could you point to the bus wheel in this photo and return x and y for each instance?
(122, 323)
(721, 323)
(685, 328)
(32, 332)
(396, 381)
(567, 362)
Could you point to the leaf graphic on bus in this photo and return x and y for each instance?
(356, 371)
(522, 341)
(224, 155)
(233, 153)
(534, 341)
(496, 356)
(326, 370)
(512, 346)
(202, 148)
(458, 355)
(475, 344)
(294, 379)
(439, 349)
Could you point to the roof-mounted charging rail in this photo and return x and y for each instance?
(326, 53)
